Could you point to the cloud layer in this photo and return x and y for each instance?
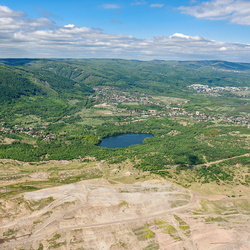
(24, 37)
(236, 11)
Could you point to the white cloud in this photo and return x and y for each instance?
(23, 37)
(69, 26)
(5, 11)
(237, 11)
(10, 21)
(182, 36)
(157, 5)
(223, 49)
(110, 6)
(139, 3)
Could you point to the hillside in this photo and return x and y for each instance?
(17, 82)
(167, 77)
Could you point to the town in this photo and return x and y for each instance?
(242, 91)
(118, 101)
(111, 97)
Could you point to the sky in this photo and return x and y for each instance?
(128, 29)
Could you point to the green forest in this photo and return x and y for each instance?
(61, 110)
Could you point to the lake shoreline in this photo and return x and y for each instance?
(124, 140)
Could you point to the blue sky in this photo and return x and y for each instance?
(130, 29)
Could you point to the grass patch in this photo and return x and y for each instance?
(37, 222)
(54, 241)
(10, 233)
(144, 233)
(168, 229)
(152, 246)
(183, 225)
(37, 205)
(215, 219)
(123, 203)
(224, 207)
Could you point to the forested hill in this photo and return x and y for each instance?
(167, 77)
(17, 82)
(156, 76)
(54, 81)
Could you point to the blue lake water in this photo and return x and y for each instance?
(123, 141)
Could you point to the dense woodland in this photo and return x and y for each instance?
(50, 110)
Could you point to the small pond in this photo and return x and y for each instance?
(123, 141)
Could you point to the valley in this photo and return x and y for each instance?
(59, 190)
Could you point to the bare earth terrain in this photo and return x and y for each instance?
(150, 214)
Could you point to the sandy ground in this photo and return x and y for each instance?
(95, 214)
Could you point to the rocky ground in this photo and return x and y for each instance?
(151, 214)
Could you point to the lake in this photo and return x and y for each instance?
(123, 141)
